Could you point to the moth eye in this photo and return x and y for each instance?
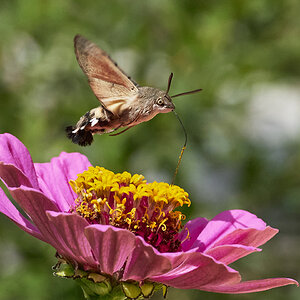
(160, 102)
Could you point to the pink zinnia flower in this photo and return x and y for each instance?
(125, 229)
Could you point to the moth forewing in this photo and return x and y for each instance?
(96, 64)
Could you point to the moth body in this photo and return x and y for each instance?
(146, 105)
(123, 103)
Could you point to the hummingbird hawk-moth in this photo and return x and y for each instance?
(123, 103)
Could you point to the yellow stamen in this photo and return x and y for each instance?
(128, 201)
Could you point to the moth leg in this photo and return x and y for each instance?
(115, 129)
(114, 134)
(128, 126)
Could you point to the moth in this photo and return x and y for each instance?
(123, 103)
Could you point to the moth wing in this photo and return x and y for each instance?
(113, 88)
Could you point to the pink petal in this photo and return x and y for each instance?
(205, 271)
(8, 209)
(230, 253)
(69, 232)
(183, 262)
(248, 237)
(111, 246)
(35, 204)
(225, 223)
(12, 176)
(250, 286)
(145, 262)
(54, 177)
(191, 231)
(13, 152)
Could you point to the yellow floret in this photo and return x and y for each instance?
(97, 187)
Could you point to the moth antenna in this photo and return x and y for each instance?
(169, 83)
(182, 149)
(187, 93)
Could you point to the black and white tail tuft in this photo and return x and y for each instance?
(81, 137)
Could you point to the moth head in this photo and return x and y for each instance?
(163, 103)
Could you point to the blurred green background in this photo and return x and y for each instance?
(243, 129)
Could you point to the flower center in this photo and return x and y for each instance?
(129, 202)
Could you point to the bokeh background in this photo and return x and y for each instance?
(243, 129)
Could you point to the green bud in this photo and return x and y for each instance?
(96, 286)
(132, 291)
(147, 289)
(64, 270)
